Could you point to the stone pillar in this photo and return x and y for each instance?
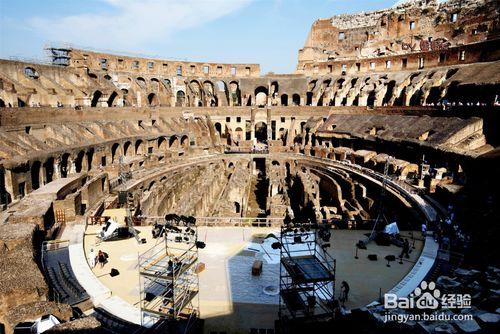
(85, 165)
(252, 124)
(71, 166)
(269, 125)
(57, 169)
(41, 173)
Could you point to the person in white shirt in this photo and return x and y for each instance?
(92, 258)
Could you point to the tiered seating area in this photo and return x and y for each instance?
(60, 276)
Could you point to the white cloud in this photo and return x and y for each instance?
(134, 23)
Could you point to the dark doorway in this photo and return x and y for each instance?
(261, 132)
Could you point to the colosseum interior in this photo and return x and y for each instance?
(215, 175)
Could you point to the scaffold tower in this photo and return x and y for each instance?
(307, 274)
(168, 277)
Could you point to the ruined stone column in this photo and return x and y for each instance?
(252, 124)
(269, 125)
(71, 166)
(41, 173)
(57, 169)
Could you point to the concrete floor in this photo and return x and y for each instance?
(222, 308)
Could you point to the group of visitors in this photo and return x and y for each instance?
(101, 258)
(447, 232)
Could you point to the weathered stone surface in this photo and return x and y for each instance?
(85, 325)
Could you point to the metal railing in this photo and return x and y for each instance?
(223, 221)
(248, 150)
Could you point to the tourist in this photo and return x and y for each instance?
(424, 230)
(92, 258)
(344, 292)
(406, 249)
(101, 258)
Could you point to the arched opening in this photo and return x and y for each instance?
(235, 93)
(237, 207)
(166, 83)
(95, 98)
(416, 99)
(388, 94)
(284, 100)
(196, 94)
(238, 133)
(111, 99)
(274, 87)
(141, 82)
(320, 100)
(434, 95)
(21, 103)
(218, 128)
(261, 132)
(139, 147)
(126, 146)
(209, 94)
(64, 165)
(30, 72)
(355, 102)
(309, 98)
(162, 143)
(155, 84)
(371, 99)
(180, 99)
(126, 98)
(274, 92)
(90, 158)
(296, 99)
(35, 174)
(222, 93)
(400, 100)
(185, 141)
(173, 142)
(340, 83)
(79, 161)
(2, 103)
(153, 100)
(452, 92)
(261, 93)
(114, 148)
(49, 170)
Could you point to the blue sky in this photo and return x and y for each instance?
(268, 32)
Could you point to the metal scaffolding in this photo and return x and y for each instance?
(59, 55)
(168, 278)
(307, 274)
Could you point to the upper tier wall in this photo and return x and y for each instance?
(420, 26)
(96, 61)
(34, 85)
